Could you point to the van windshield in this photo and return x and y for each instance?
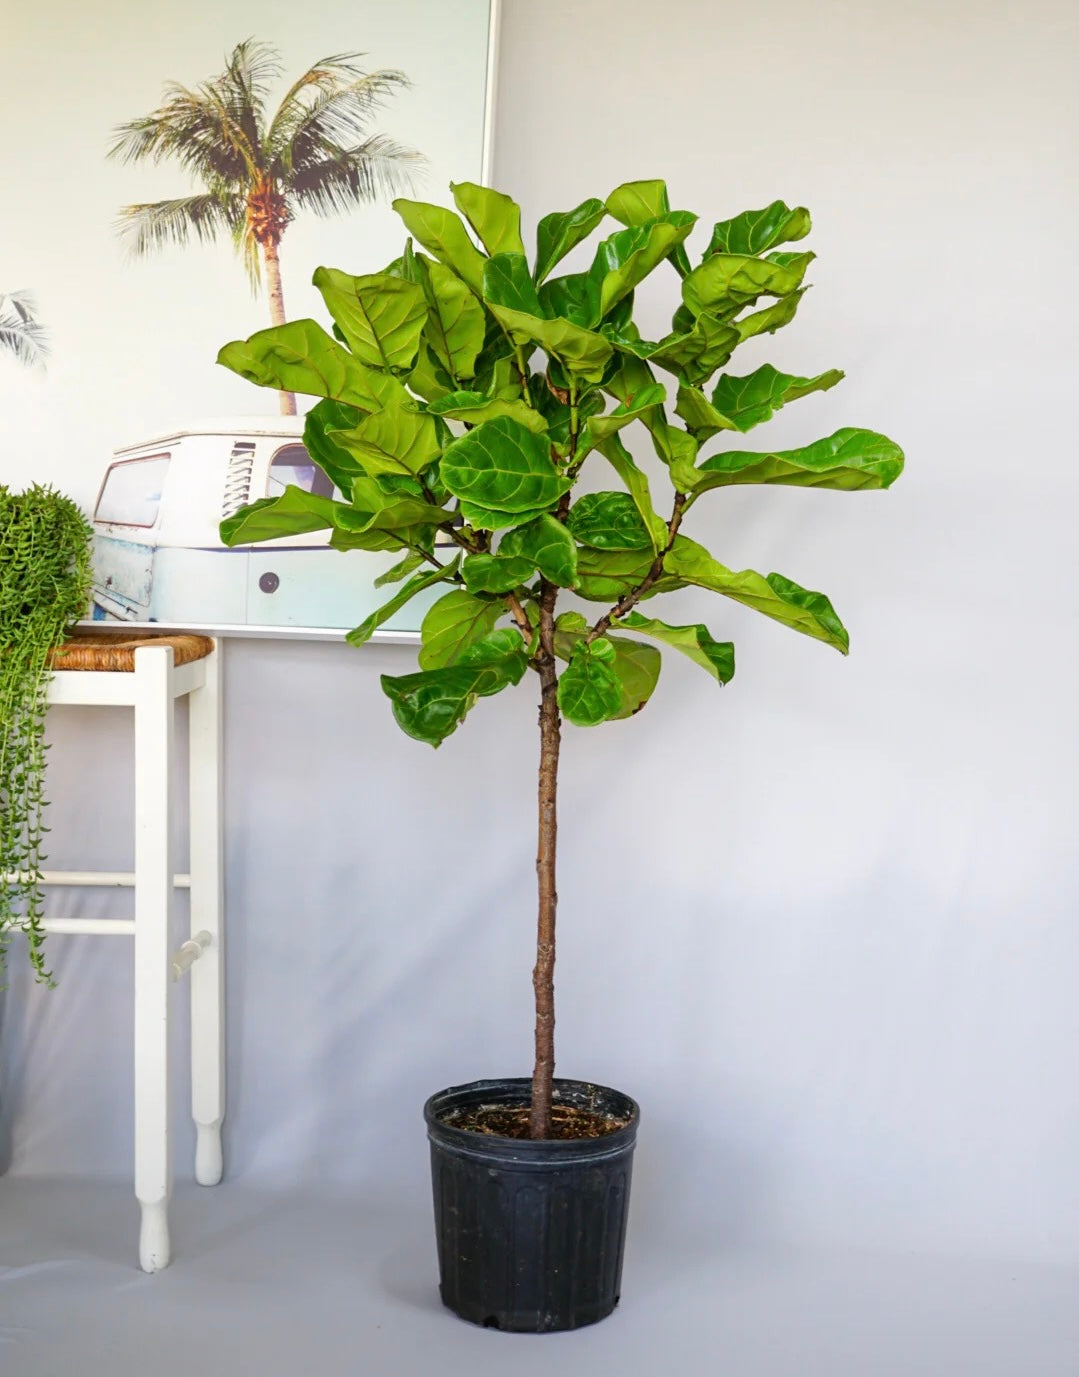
(131, 493)
(294, 467)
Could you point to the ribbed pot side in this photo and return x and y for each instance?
(530, 1233)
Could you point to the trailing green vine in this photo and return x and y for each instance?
(44, 586)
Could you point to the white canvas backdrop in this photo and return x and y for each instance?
(822, 923)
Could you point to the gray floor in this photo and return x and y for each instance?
(281, 1286)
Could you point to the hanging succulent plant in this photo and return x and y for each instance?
(44, 586)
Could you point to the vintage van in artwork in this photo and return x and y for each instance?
(158, 556)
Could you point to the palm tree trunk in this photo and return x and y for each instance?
(277, 311)
(543, 976)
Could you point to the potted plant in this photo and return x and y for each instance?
(465, 397)
(44, 587)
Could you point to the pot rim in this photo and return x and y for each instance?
(515, 1089)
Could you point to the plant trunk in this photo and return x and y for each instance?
(543, 975)
(277, 311)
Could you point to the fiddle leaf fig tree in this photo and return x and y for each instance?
(467, 393)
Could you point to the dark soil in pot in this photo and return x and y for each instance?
(531, 1233)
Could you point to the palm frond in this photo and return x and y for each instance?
(244, 85)
(20, 332)
(205, 217)
(347, 177)
(325, 107)
(193, 127)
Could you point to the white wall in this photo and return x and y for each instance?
(821, 922)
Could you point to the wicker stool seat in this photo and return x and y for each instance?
(116, 653)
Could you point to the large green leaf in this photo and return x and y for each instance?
(301, 357)
(600, 428)
(757, 397)
(416, 584)
(496, 573)
(717, 657)
(557, 234)
(295, 512)
(507, 282)
(458, 620)
(754, 231)
(428, 378)
(443, 234)
(637, 666)
(589, 691)
(627, 257)
(477, 407)
(397, 439)
(374, 510)
(337, 463)
(608, 521)
(774, 596)
(848, 460)
(772, 318)
(635, 202)
(496, 218)
(456, 324)
(401, 570)
(700, 416)
(431, 704)
(605, 575)
(548, 545)
(502, 466)
(380, 316)
(574, 298)
(729, 281)
(620, 459)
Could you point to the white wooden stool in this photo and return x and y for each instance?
(149, 672)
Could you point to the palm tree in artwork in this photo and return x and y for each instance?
(256, 170)
(20, 332)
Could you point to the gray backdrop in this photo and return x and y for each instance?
(820, 923)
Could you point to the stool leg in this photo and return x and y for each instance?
(154, 713)
(208, 972)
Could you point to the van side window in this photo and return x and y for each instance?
(131, 492)
(294, 467)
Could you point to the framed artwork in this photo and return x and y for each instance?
(173, 177)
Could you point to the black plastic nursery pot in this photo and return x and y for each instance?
(530, 1233)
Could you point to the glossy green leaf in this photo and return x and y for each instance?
(847, 461)
(301, 357)
(495, 573)
(428, 378)
(430, 705)
(507, 282)
(501, 465)
(495, 217)
(373, 510)
(588, 689)
(608, 521)
(772, 318)
(635, 202)
(605, 575)
(728, 281)
(601, 427)
(443, 234)
(627, 257)
(557, 234)
(575, 298)
(637, 667)
(620, 459)
(416, 584)
(341, 467)
(548, 545)
(458, 620)
(397, 439)
(755, 231)
(380, 316)
(757, 397)
(583, 352)
(476, 407)
(456, 324)
(775, 596)
(717, 657)
(483, 518)
(700, 416)
(295, 512)
(401, 570)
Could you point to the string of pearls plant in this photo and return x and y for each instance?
(44, 586)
